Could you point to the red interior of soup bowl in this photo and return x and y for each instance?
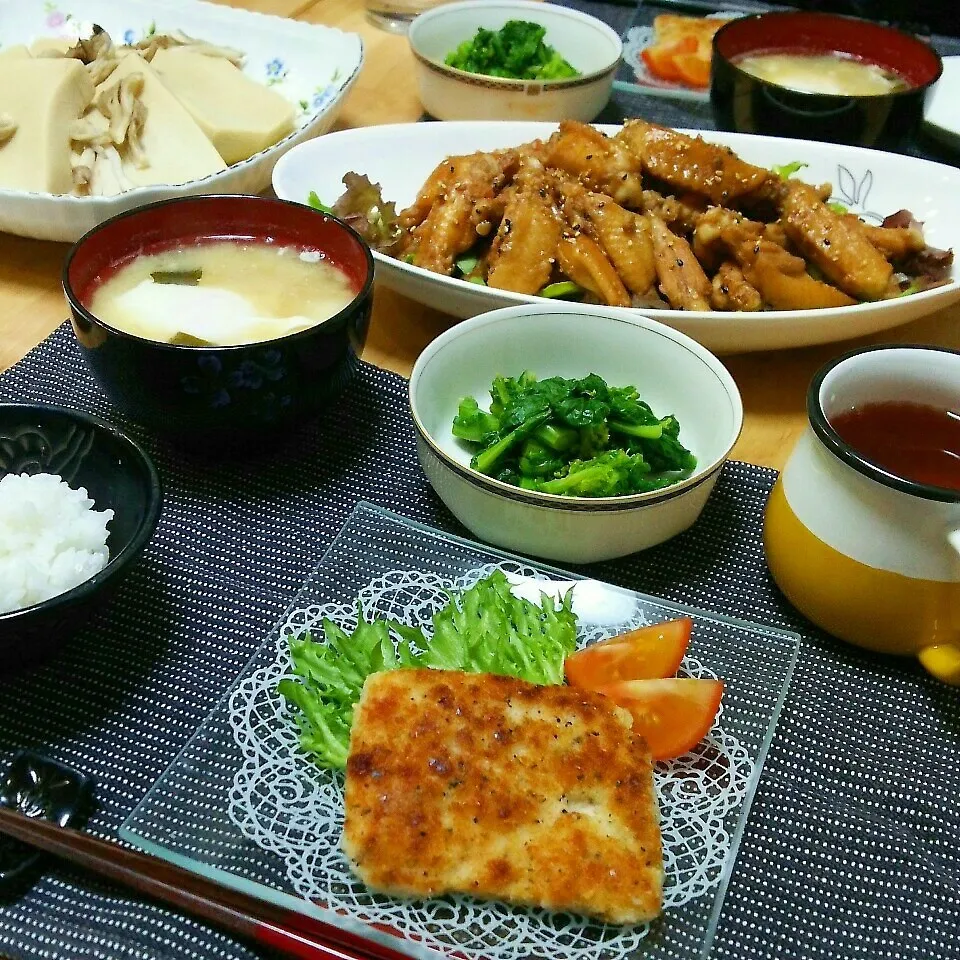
(170, 223)
(818, 33)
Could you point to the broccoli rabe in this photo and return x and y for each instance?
(578, 438)
(515, 51)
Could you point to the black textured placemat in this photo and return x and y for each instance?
(852, 846)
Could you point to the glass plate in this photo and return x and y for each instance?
(241, 805)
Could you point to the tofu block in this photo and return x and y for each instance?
(240, 116)
(495, 787)
(177, 149)
(44, 97)
(16, 52)
(51, 46)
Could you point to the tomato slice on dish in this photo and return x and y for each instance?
(646, 653)
(672, 715)
(694, 69)
(659, 57)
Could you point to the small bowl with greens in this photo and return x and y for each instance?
(513, 60)
(568, 433)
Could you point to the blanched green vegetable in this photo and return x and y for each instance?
(572, 437)
(485, 629)
(183, 278)
(515, 51)
(314, 201)
(787, 170)
(565, 289)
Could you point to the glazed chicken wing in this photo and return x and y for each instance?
(602, 164)
(783, 281)
(720, 231)
(682, 280)
(461, 202)
(585, 263)
(732, 291)
(449, 229)
(780, 278)
(689, 164)
(525, 246)
(474, 174)
(835, 243)
(623, 235)
(895, 243)
(680, 215)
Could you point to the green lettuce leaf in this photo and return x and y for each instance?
(485, 629)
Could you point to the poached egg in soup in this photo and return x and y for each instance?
(830, 73)
(222, 293)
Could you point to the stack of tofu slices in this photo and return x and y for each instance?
(92, 118)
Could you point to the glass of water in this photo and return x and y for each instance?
(395, 15)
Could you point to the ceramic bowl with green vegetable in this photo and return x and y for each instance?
(569, 433)
(513, 60)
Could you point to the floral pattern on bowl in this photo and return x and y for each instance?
(273, 71)
(853, 192)
(220, 384)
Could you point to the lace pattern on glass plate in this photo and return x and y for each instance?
(285, 804)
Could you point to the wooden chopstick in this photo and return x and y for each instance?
(266, 923)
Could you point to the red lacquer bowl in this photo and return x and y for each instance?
(750, 105)
(210, 394)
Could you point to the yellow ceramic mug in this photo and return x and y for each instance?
(871, 557)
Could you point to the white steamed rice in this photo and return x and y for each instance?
(51, 539)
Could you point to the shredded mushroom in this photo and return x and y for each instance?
(82, 167)
(88, 49)
(177, 38)
(108, 177)
(8, 127)
(101, 68)
(126, 115)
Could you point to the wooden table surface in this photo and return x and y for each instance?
(773, 384)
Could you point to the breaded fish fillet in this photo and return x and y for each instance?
(503, 789)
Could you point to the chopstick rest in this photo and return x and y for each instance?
(43, 789)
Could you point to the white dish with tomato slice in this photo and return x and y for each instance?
(675, 65)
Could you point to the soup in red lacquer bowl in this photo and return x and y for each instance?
(207, 318)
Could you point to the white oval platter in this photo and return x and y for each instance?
(870, 182)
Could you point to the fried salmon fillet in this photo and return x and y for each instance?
(492, 786)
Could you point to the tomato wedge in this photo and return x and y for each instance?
(659, 57)
(646, 653)
(671, 715)
(694, 69)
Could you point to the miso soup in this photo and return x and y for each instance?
(831, 73)
(222, 292)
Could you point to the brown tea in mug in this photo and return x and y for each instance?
(910, 440)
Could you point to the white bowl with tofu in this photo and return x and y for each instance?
(154, 118)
